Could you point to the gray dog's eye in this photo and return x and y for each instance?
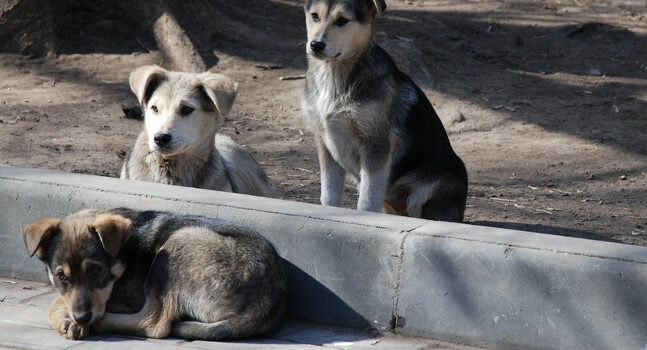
(186, 110)
(154, 108)
(315, 17)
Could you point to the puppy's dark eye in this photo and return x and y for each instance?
(94, 271)
(341, 21)
(61, 276)
(186, 110)
(315, 17)
(154, 108)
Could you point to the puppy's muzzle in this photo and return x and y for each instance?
(162, 139)
(317, 46)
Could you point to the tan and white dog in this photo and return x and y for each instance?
(179, 144)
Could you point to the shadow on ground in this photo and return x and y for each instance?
(516, 67)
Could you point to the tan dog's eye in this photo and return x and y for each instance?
(154, 108)
(61, 276)
(341, 21)
(186, 110)
(315, 17)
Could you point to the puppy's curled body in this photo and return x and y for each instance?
(159, 274)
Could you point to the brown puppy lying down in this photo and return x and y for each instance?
(157, 274)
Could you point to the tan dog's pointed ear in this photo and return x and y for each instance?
(221, 90)
(144, 80)
(38, 233)
(380, 6)
(113, 231)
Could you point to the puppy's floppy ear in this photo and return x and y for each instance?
(380, 6)
(144, 80)
(37, 235)
(113, 231)
(221, 90)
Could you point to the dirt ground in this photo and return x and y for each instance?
(545, 101)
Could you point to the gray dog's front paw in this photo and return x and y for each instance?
(72, 330)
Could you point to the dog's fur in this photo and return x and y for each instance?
(156, 274)
(195, 156)
(371, 121)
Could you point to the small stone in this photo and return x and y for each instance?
(132, 110)
(595, 72)
(122, 154)
(457, 117)
(623, 177)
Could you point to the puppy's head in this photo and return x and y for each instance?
(182, 110)
(340, 29)
(81, 253)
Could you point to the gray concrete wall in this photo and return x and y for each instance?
(475, 285)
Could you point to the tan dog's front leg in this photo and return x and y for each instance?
(63, 323)
(332, 177)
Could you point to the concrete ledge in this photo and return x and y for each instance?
(469, 284)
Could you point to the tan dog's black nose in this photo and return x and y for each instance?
(317, 46)
(162, 139)
(83, 319)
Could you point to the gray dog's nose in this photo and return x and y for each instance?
(83, 319)
(317, 46)
(162, 139)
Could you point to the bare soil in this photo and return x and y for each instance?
(545, 101)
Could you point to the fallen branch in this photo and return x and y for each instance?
(292, 77)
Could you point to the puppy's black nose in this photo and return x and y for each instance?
(83, 319)
(162, 139)
(317, 46)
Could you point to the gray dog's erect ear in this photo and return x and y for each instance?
(38, 233)
(113, 231)
(221, 90)
(380, 6)
(144, 80)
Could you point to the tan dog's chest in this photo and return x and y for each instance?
(341, 137)
(346, 127)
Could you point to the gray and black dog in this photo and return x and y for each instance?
(371, 121)
(158, 274)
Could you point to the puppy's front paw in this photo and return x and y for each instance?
(72, 330)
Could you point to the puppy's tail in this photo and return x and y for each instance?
(236, 327)
(193, 330)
